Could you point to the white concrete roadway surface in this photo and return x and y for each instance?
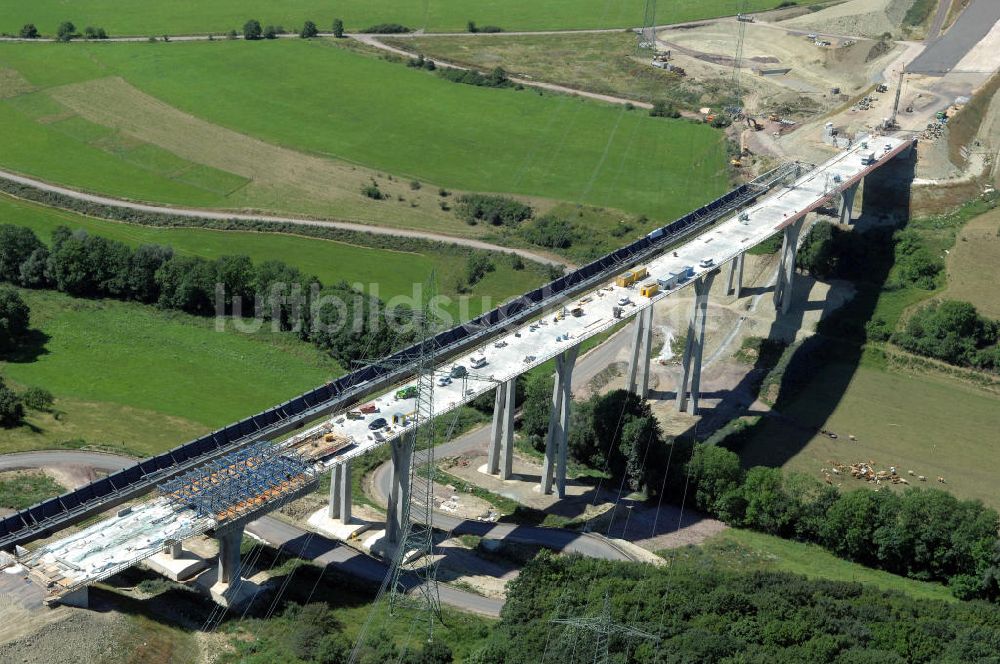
(291, 539)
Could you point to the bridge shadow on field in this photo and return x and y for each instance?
(820, 369)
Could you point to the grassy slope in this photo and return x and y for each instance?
(606, 63)
(144, 17)
(746, 550)
(387, 117)
(933, 426)
(168, 362)
(20, 489)
(392, 273)
(978, 246)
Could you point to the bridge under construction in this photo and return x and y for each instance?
(220, 482)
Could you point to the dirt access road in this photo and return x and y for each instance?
(194, 213)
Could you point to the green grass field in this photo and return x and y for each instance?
(107, 359)
(931, 425)
(144, 17)
(978, 245)
(358, 110)
(20, 489)
(746, 550)
(391, 272)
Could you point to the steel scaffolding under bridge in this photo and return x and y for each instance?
(241, 482)
(45, 518)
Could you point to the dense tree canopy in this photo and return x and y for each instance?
(701, 613)
(14, 315)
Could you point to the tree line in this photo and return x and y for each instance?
(691, 611)
(924, 534)
(335, 317)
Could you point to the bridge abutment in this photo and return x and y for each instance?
(642, 344)
(694, 347)
(501, 453)
(786, 267)
(554, 465)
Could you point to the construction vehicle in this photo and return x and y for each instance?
(576, 312)
(736, 163)
(881, 87)
(630, 277)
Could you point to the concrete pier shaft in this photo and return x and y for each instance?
(554, 465)
(694, 347)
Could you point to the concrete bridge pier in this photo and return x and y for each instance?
(642, 345)
(501, 454)
(786, 267)
(174, 550)
(340, 493)
(229, 588)
(558, 434)
(734, 286)
(694, 347)
(846, 207)
(399, 493)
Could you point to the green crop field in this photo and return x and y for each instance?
(930, 425)
(144, 17)
(358, 110)
(387, 273)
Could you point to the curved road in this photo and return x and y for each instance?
(194, 213)
(292, 539)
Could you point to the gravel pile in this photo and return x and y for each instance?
(866, 18)
(81, 637)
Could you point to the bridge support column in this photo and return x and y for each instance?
(735, 284)
(501, 456)
(642, 346)
(399, 493)
(340, 493)
(174, 550)
(786, 267)
(694, 347)
(558, 434)
(229, 554)
(847, 203)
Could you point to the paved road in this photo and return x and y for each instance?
(942, 12)
(974, 23)
(224, 216)
(292, 539)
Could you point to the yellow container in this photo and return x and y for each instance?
(650, 289)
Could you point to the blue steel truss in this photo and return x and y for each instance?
(239, 482)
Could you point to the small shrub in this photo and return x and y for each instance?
(495, 210)
(338, 28)
(37, 398)
(91, 32)
(372, 191)
(662, 109)
(252, 30)
(66, 31)
(386, 29)
(309, 30)
(549, 231)
(270, 32)
(415, 185)
(29, 31)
